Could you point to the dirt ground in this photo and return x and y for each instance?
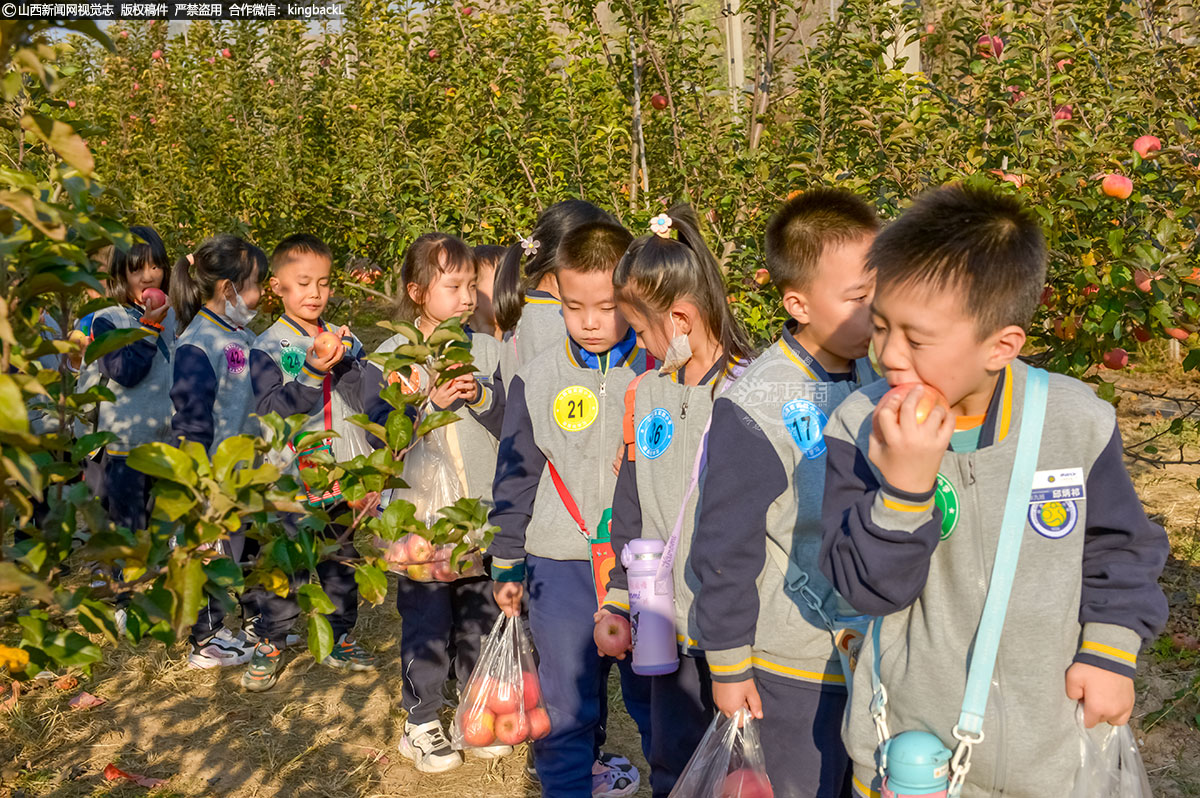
(324, 733)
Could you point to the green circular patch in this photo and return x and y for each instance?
(945, 498)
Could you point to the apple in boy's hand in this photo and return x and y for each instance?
(80, 340)
(531, 689)
(1147, 147)
(479, 728)
(612, 635)
(153, 299)
(539, 723)
(511, 728)
(325, 344)
(503, 698)
(930, 398)
(746, 783)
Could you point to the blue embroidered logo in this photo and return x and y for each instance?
(1053, 519)
(655, 432)
(805, 422)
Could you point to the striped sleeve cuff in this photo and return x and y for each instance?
(902, 511)
(153, 329)
(311, 377)
(730, 664)
(1111, 647)
(508, 570)
(484, 401)
(616, 601)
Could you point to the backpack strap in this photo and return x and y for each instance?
(627, 425)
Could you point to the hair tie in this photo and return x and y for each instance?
(661, 225)
(530, 246)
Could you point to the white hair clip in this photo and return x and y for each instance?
(530, 246)
(661, 225)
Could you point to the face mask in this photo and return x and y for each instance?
(679, 352)
(237, 312)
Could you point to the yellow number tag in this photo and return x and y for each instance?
(575, 408)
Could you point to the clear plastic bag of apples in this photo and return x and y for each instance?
(420, 560)
(728, 762)
(502, 701)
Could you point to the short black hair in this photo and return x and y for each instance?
(490, 255)
(593, 247)
(299, 244)
(975, 239)
(800, 231)
(149, 250)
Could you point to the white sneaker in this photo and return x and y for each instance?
(614, 776)
(222, 649)
(490, 752)
(426, 745)
(120, 617)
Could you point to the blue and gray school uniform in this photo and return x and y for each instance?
(540, 327)
(285, 383)
(1085, 589)
(758, 532)
(436, 615)
(139, 375)
(669, 420)
(564, 407)
(214, 400)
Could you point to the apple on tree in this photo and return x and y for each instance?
(1115, 185)
(658, 101)
(1116, 359)
(1147, 147)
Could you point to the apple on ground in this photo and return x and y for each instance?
(511, 728)
(225, 53)
(1116, 359)
(539, 723)
(613, 635)
(433, 55)
(467, 11)
(1115, 185)
(746, 783)
(1147, 146)
(479, 728)
(156, 55)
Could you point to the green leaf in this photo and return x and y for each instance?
(372, 583)
(320, 637)
(172, 501)
(61, 138)
(434, 420)
(14, 417)
(230, 454)
(399, 430)
(162, 461)
(111, 341)
(14, 581)
(185, 580)
(313, 599)
(223, 574)
(1192, 360)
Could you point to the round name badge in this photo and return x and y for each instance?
(1053, 519)
(575, 408)
(291, 359)
(945, 498)
(235, 359)
(654, 433)
(805, 422)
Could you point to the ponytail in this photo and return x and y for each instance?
(195, 276)
(185, 291)
(508, 295)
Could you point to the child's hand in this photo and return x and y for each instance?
(1107, 697)
(155, 317)
(508, 597)
(446, 394)
(609, 628)
(906, 453)
(334, 357)
(732, 696)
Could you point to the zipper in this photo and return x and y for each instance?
(603, 375)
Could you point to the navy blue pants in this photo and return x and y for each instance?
(435, 617)
(127, 492)
(801, 734)
(562, 602)
(238, 548)
(681, 707)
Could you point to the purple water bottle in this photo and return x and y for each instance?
(651, 609)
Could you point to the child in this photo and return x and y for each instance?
(672, 293)
(290, 378)
(483, 319)
(911, 527)
(216, 291)
(530, 308)
(562, 424)
(139, 375)
(438, 279)
(756, 540)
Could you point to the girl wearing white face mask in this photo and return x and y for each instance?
(215, 291)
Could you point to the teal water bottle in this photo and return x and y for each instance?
(917, 764)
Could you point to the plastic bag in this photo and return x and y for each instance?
(728, 763)
(422, 561)
(502, 701)
(1110, 765)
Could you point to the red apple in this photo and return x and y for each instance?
(442, 572)
(930, 399)
(1064, 112)
(156, 55)
(420, 550)
(479, 728)
(1016, 95)
(1116, 359)
(762, 276)
(1176, 333)
(1141, 334)
(539, 723)
(1147, 147)
(225, 53)
(989, 46)
(1118, 186)
(433, 55)
(746, 783)
(152, 299)
(930, 27)
(1062, 64)
(70, 103)
(531, 689)
(124, 34)
(467, 11)
(325, 344)
(1090, 289)
(613, 635)
(511, 728)
(658, 101)
(503, 698)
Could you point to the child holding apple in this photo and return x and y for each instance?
(912, 510)
(554, 480)
(438, 280)
(761, 598)
(300, 365)
(671, 291)
(139, 374)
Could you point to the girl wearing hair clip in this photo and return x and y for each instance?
(671, 292)
(216, 291)
(525, 293)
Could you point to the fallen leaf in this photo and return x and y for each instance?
(66, 683)
(10, 703)
(112, 773)
(85, 700)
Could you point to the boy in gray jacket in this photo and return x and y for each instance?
(912, 511)
(761, 598)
